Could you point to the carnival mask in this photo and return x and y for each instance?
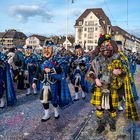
(28, 52)
(47, 51)
(79, 52)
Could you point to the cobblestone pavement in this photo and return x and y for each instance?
(22, 121)
(126, 130)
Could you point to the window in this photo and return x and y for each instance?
(95, 23)
(90, 41)
(80, 22)
(95, 35)
(85, 29)
(95, 41)
(90, 36)
(96, 28)
(85, 35)
(91, 23)
(80, 30)
(85, 22)
(90, 17)
(90, 29)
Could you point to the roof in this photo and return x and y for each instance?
(98, 12)
(70, 38)
(2, 34)
(118, 30)
(12, 34)
(40, 37)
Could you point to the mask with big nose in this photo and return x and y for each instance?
(48, 51)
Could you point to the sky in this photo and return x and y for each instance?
(48, 17)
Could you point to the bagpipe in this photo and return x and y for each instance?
(47, 76)
(79, 66)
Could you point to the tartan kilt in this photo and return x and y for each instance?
(97, 97)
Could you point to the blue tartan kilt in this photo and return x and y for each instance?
(54, 93)
(65, 96)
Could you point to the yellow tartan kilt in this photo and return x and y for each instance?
(97, 97)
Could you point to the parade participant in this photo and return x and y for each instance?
(63, 60)
(19, 61)
(6, 83)
(10, 56)
(79, 67)
(55, 89)
(110, 74)
(31, 64)
(131, 63)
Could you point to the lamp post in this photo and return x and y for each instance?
(67, 14)
(67, 10)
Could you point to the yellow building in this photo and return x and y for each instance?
(12, 38)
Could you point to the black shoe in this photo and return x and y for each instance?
(76, 100)
(113, 127)
(44, 120)
(57, 117)
(100, 129)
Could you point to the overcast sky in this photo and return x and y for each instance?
(48, 17)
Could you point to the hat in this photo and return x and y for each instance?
(19, 47)
(103, 38)
(27, 47)
(48, 43)
(77, 46)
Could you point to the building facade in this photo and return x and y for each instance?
(128, 41)
(12, 38)
(67, 43)
(35, 41)
(88, 28)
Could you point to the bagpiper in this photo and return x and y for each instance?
(55, 87)
(31, 64)
(79, 66)
(110, 74)
(6, 83)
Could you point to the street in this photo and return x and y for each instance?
(77, 121)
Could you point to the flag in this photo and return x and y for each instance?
(72, 1)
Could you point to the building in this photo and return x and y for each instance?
(70, 41)
(36, 41)
(12, 38)
(128, 41)
(89, 26)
